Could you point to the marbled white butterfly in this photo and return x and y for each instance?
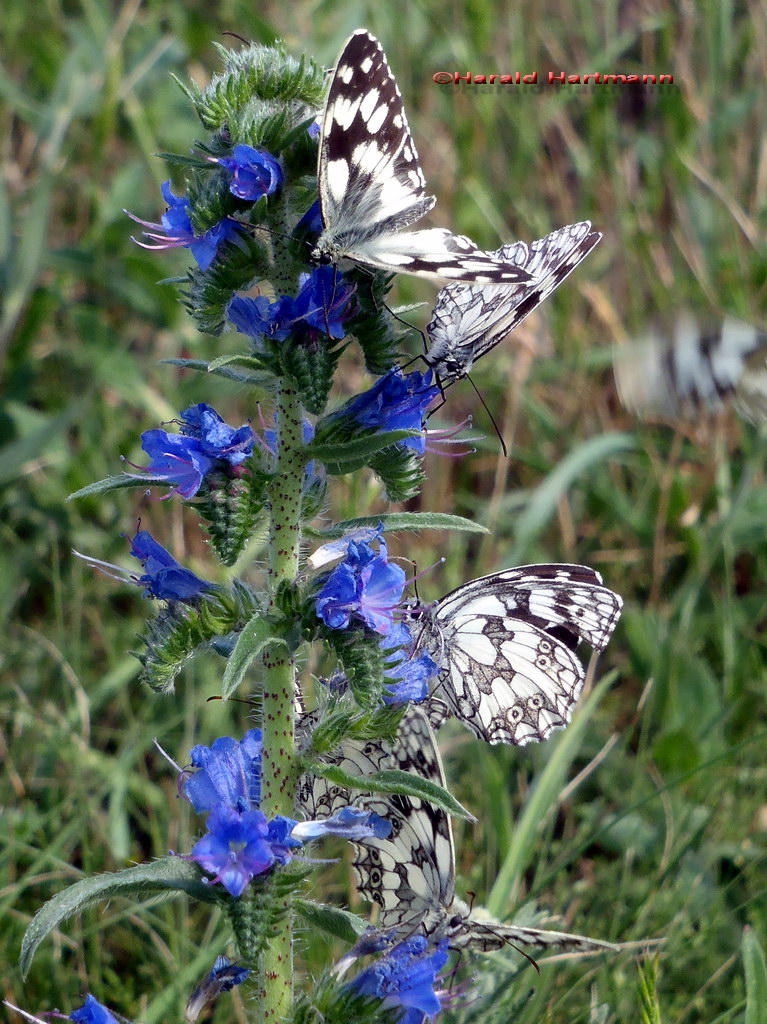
(411, 874)
(505, 646)
(468, 321)
(695, 371)
(371, 185)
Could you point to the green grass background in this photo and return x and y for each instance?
(647, 819)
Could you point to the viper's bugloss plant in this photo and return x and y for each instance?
(335, 754)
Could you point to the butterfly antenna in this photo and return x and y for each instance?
(504, 449)
(235, 36)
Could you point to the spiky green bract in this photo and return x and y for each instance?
(208, 292)
(400, 470)
(210, 201)
(181, 631)
(310, 362)
(256, 915)
(338, 719)
(334, 1003)
(256, 72)
(361, 659)
(373, 325)
(232, 508)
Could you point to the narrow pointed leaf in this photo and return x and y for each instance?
(340, 923)
(170, 874)
(352, 455)
(756, 978)
(255, 637)
(115, 483)
(398, 521)
(394, 780)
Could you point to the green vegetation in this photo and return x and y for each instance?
(648, 819)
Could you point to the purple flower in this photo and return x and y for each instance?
(406, 977)
(365, 585)
(222, 977)
(408, 677)
(322, 304)
(216, 438)
(235, 848)
(92, 1012)
(163, 577)
(324, 301)
(349, 823)
(178, 460)
(228, 773)
(396, 401)
(175, 230)
(205, 443)
(255, 173)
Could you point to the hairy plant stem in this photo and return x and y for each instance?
(275, 997)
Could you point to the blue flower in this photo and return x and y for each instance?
(324, 301)
(235, 848)
(228, 773)
(216, 438)
(408, 677)
(222, 977)
(321, 306)
(365, 585)
(177, 460)
(175, 230)
(204, 445)
(241, 842)
(92, 1012)
(163, 577)
(406, 977)
(255, 173)
(396, 401)
(349, 823)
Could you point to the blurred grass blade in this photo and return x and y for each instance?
(542, 801)
(543, 502)
(756, 979)
(647, 987)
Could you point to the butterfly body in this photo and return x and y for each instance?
(371, 185)
(469, 321)
(505, 644)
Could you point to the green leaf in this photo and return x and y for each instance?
(170, 874)
(394, 521)
(255, 637)
(756, 979)
(114, 483)
(224, 368)
(340, 923)
(394, 780)
(352, 455)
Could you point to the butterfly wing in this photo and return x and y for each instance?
(410, 874)
(371, 184)
(505, 644)
(695, 370)
(468, 321)
(486, 935)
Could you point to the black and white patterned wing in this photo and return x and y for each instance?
(505, 644)
(371, 185)
(481, 933)
(695, 370)
(468, 321)
(409, 875)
